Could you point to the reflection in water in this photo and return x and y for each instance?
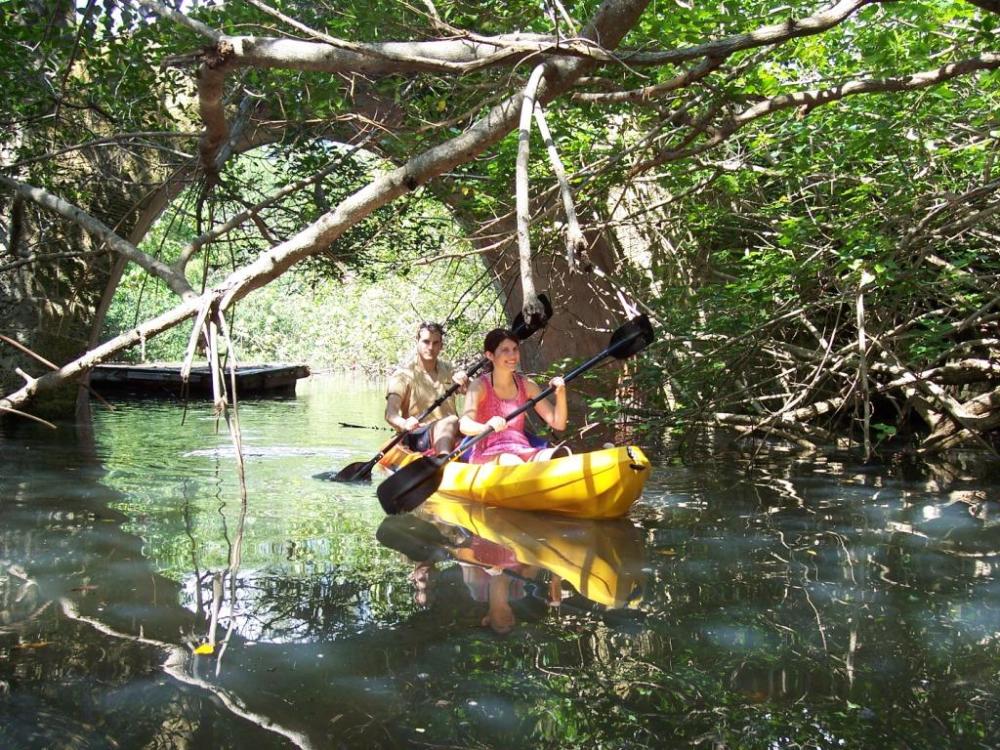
(602, 560)
(811, 603)
(517, 561)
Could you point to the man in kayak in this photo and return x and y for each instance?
(415, 386)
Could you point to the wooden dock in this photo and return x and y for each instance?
(165, 380)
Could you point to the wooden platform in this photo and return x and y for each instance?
(165, 380)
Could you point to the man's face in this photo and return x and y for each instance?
(428, 345)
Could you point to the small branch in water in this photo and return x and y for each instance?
(51, 365)
(364, 426)
(25, 414)
(176, 665)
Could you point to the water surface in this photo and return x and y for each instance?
(795, 602)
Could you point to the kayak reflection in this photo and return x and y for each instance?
(515, 561)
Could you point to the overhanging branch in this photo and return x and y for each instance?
(818, 97)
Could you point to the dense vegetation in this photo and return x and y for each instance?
(803, 199)
(358, 315)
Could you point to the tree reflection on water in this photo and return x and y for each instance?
(792, 602)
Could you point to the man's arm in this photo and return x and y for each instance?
(396, 394)
(393, 405)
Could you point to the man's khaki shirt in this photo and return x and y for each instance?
(417, 389)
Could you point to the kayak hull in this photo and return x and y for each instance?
(598, 484)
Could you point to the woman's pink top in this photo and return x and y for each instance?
(511, 440)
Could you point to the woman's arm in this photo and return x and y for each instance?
(554, 416)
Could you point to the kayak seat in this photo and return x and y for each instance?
(562, 451)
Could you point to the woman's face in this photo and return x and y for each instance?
(507, 355)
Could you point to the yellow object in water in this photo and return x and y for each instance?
(602, 560)
(599, 484)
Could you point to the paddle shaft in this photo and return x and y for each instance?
(363, 426)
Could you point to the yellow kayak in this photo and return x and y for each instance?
(599, 484)
(602, 560)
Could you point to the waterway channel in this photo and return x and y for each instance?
(795, 601)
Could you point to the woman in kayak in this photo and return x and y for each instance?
(499, 392)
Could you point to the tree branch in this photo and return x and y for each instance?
(532, 306)
(765, 36)
(817, 97)
(100, 231)
(177, 17)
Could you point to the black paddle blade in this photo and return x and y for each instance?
(524, 329)
(631, 338)
(359, 471)
(410, 486)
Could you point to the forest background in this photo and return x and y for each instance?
(804, 199)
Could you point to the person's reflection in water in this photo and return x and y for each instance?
(491, 573)
(483, 566)
(421, 579)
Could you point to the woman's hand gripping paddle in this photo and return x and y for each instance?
(361, 471)
(414, 483)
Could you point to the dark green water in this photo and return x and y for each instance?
(803, 603)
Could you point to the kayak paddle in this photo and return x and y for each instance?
(417, 481)
(361, 471)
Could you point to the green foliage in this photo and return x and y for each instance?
(809, 201)
(355, 308)
(756, 246)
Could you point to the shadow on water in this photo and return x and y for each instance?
(803, 603)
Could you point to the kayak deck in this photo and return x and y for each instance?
(598, 484)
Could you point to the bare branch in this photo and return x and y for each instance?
(818, 97)
(105, 141)
(765, 36)
(177, 17)
(532, 305)
(211, 80)
(814, 98)
(576, 243)
(646, 93)
(30, 259)
(97, 229)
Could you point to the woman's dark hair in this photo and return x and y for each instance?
(496, 337)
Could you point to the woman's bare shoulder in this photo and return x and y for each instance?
(531, 386)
